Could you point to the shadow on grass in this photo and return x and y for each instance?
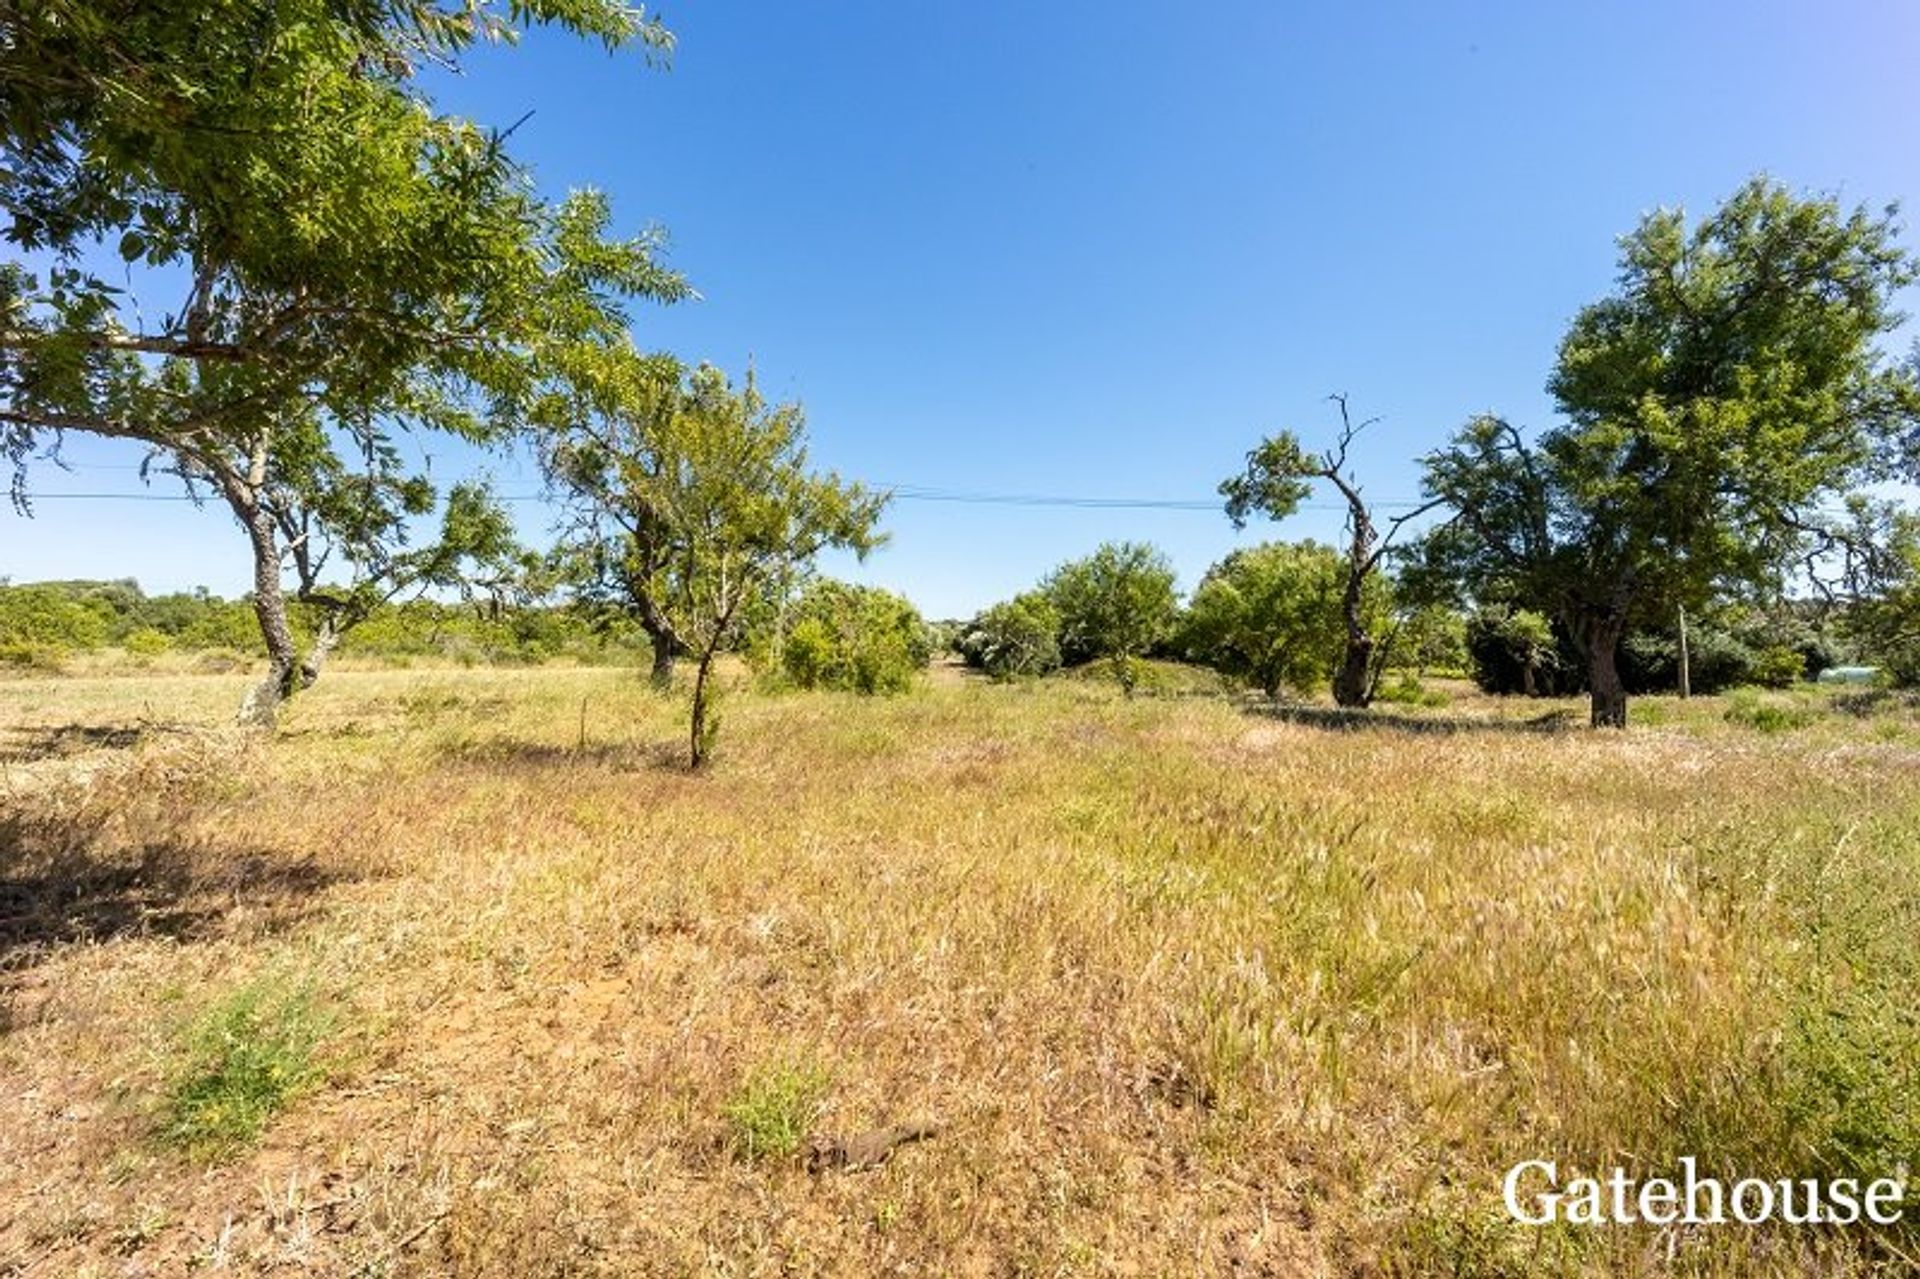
(28, 745)
(58, 889)
(618, 757)
(1347, 719)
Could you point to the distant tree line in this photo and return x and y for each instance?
(44, 623)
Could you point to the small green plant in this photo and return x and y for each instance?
(243, 1060)
(1409, 691)
(146, 641)
(770, 1112)
(1745, 706)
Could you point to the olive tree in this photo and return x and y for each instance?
(1279, 475)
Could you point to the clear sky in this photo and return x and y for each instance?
(1098, 250)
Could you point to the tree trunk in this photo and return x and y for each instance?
(699, 740)
(1686, 661)
(1353, 682)
(262, 703)
(323, 645)
(1608, 696)
(662, 675)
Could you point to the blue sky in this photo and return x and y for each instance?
(1100, 249)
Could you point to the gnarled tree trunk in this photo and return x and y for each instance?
(261, 705)
(661, 676)
(1353, 682)
(1607, 694)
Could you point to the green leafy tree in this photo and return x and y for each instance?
(1279, 475)
(1885, 624)
(316, 262)
(1116, 604)
(858, 639)
(1015, 638)
(1718, 404)
(689, 500)
(1271, 615)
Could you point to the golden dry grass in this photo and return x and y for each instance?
(1190, 989)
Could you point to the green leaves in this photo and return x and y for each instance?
(1117, 602)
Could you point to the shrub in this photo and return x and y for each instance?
(48, 617)
(1117, 602)
(1520, 651)
(1779, 667)
(1270, 615)
(771, 1111)
(245, 1058)
(146, 641)
(1015, 638)
(1746, 706)
(857, 638)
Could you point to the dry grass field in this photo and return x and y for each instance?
(463, 974)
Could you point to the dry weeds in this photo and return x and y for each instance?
(1188, 989)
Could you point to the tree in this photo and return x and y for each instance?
(689, 499)
(1279, 475)
(1717, 405)
(318, 263)
(1271, 615)
(1116, 603)
(1014, 638)
(1885, 624)
(857, 638)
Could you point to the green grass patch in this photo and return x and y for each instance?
(242, 1061)
(771, 1111)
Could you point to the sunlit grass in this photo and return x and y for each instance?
(1187, 984)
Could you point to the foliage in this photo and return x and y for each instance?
(244, 1059)
(1020, 636)
(857, 638)
(317, 263)
(1116, 603)
(1886, 626)
(688, 501)
(47, 617)
(1279, 474)
(1727, 390)
(1519, 651)
(1432, 638)
(775, 1105)
(1270, 615)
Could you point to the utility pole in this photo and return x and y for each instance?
(1686, 673)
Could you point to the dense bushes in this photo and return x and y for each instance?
(1018, 637)
(1269, 615)
(43, 623)
(1517, 651)
(857, 638)
(1513, 650)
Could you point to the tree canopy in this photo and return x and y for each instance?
(690, 499)
(1718, 405)
(317, 260)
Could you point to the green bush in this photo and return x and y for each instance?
(146, 641)
(1779, 667)
(48, 617)
(1016, 638)
(1746, 706)
(855, 638)
(243, 1060)
(1117, 602)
